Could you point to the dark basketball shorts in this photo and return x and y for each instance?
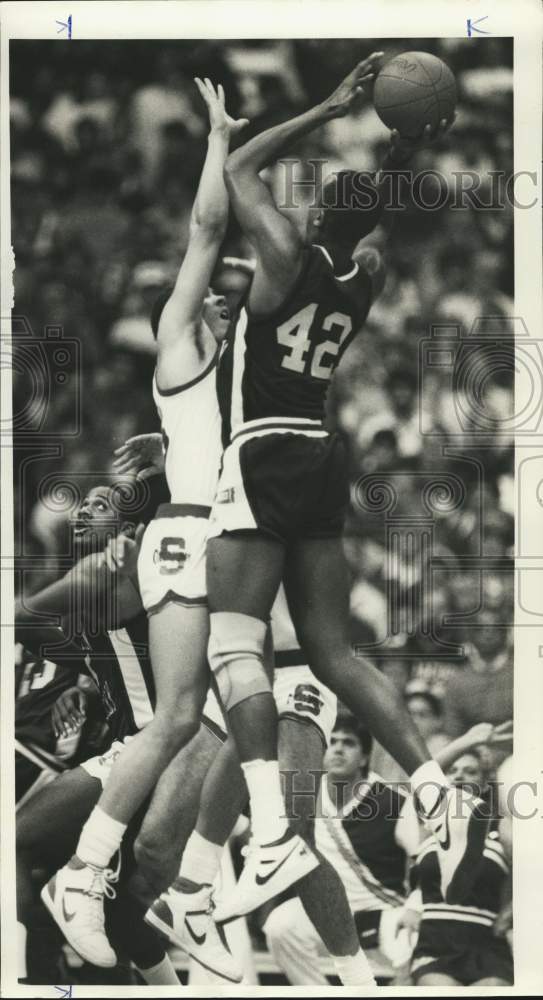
(466, 951)
(285, 483)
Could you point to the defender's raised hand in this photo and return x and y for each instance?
(219, 119)
(359, 80)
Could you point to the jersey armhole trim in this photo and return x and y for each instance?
(349, 275)
(343, 277)
(188, 385)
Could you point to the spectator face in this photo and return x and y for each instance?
(467, 772)
(423, 713)
(217, 315)
(488, 638)
(345, 757)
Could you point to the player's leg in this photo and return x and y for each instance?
(317, 588)
(183, 913)
(172, 813)
(316, 582)
(244, 570)
(301, 750)
(47, 828)
(177, 639)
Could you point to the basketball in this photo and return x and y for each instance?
(414, 89)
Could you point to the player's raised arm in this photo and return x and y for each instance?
(370, 253)
(275, 239)
(183, 310)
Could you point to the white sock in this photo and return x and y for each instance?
(268, 820)
(162, 974)
(100, 837)
(354, 970)
(427, 783)
(21, 951)
(201, 860)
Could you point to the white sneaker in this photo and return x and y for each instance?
(185, 919)
(460, 826)
(75, 900)
(269, 870)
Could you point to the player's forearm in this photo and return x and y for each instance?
(453, 751)
(265, 148)
(210, 210)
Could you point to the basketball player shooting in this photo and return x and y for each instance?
(283, 491)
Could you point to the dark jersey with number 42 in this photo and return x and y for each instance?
(280, 365)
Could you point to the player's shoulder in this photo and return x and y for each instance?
(353, 277)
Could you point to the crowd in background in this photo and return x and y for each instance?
(107, 143)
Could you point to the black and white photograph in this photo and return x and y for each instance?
(272, 479)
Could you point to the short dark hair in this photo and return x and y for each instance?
(348, 723)
(157, 308)
(134, 500)
(430, 699)
(352, 206)
(401, 376)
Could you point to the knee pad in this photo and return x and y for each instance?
(236, 657)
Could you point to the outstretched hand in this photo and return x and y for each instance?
(359, 81)
(142, 456)
(403, 147)
(121, 553)
(486, 734)
(219, 119)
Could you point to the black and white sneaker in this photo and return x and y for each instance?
(269, 869)
(186, 919)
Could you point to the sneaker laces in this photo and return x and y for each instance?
(102, 879)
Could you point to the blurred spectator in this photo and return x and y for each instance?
(401, 416)
(427, 714)
(483, 689)
(166, 99)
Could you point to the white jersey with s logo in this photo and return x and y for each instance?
(191, 430)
